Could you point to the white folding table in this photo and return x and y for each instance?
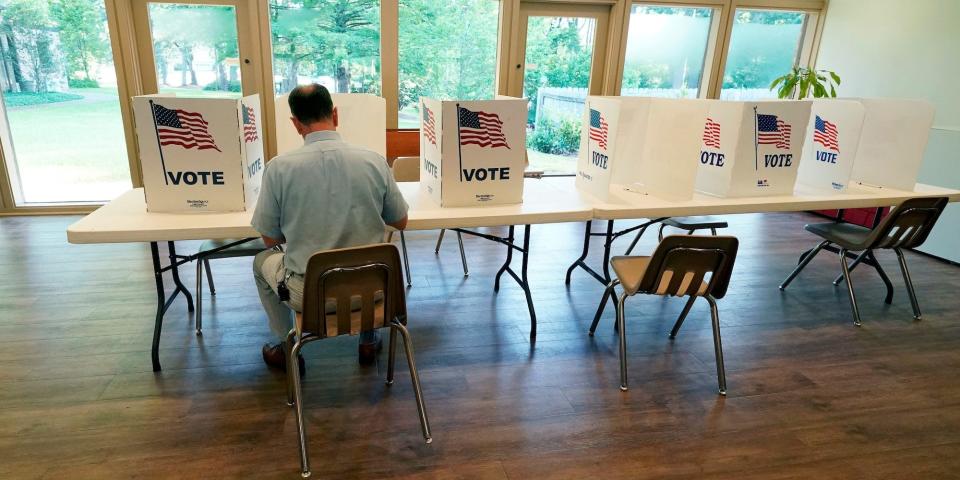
(126, 220)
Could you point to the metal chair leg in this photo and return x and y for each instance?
(683, 316)
(287, 347)
(463, 256)
(660, 233)
(392, 355)
(439, 241)
(623, 341)
(853, 266)
(418, 393)
(906, 279)
(717, 345)
(846, 275)
(198, 319)
(713, 231)
(803, 264)
(406, 261)
(389, 237)
(293, 368)
(206, 264)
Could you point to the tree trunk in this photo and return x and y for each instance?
(343, 78)
(222, 82)
(290, 77)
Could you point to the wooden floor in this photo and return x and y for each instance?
(810, 395)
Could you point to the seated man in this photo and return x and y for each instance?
(326, 194)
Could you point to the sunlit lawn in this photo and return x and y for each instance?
(75, 150)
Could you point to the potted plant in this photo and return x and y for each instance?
(806, 82)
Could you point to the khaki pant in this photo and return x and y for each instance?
(268, 271)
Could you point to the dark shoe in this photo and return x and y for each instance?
(370, 345)
(274, 357)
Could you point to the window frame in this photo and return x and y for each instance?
(128, 63)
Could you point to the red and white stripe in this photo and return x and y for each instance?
(194, 133)
(711, 134)
(490, 133)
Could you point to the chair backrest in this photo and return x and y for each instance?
(406, 169)
(352, 290)
(681, 262)
(908, 225)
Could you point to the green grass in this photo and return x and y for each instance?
(83, 136)
(552, 164)
(23, 99)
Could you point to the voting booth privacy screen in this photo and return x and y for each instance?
(199, 154)
(473, 152)
(752, 148)
(830, 146)
(646, 145)
(363, 122)
(892, 142)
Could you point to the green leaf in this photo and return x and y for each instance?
(833, 92)
(804, 86)
(786, 90)
(819, 91)
(776, 81)
(836, 78)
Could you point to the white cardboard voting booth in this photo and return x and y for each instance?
(892, 142)
(752, 148)
(363, 122)
(199, 154)
(646, 145)
(473, 152)
(830, 145)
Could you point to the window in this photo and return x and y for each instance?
(195, 49)
(335, 43)
(559, 55)
(665, 51)
(448, 50)
(764, 45)
(65, 139)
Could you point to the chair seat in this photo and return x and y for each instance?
(248, 249)
(630, 271)
(846, 235)
(695, 223)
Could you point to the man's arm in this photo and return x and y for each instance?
(273, 242)
(399, 224)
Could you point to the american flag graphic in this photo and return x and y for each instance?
(598, 128)
(825, 133)
(773, 131)
(711, 134)
(183, 128)
(249, 125)
(481, 128)
(429, 125)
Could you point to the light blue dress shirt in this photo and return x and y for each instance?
(326, 194)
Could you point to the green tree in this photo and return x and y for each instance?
(447, 49)
(30, 31)
(82, 34)
(340, 38)
(555, 56)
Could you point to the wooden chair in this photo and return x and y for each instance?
(907, 226)
(407, 169)
(695, 266)
(347, 292)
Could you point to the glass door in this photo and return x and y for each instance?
(192, 47)
(558, 63)
(60, 124)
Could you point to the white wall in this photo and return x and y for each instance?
(906, 49)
